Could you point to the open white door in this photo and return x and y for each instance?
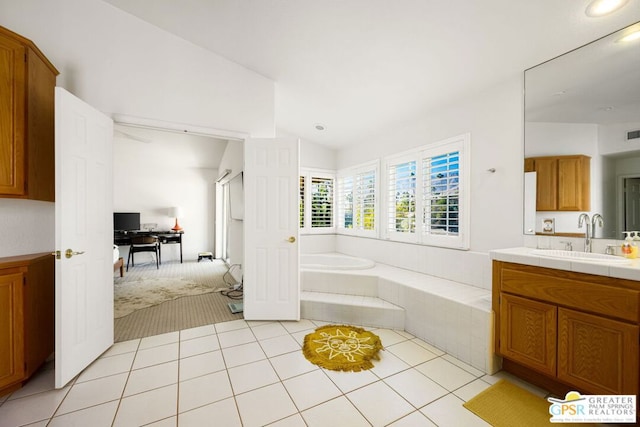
(84, 229)
(271, 224)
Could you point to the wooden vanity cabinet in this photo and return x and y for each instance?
(27, 320)
(562, 182)
(27, 85)
(580, 331)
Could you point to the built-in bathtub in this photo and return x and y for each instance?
(334, 261)
(344, 289)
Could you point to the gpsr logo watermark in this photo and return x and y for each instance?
(576, 408)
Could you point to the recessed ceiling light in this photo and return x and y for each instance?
(630, 37)
(319, 126)
(604, 7)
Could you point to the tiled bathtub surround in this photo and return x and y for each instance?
(253, 374)
(452, 316)
(470, 268)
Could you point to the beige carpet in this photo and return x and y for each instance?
(133, 295)
(183, 312)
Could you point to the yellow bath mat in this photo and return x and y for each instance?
(504, 404)
(342, 348)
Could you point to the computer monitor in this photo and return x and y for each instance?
(126, 221)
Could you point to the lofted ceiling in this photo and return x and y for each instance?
(360, 66)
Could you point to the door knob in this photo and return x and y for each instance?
(69, 253)
(291, 239)
(56, 254)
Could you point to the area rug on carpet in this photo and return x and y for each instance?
(137, 294)
(342, 348)
(504, 404)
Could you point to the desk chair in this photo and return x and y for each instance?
(144, 244)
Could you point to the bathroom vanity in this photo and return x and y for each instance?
(567, 324)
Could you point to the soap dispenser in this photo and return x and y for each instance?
(635, 245)
(626, 245)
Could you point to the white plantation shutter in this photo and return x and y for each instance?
(357, 199)
(441, 191)
(321, 202)
(345, 202)
(365, 196)
(317, 194)
(401, 196)
(302, 201)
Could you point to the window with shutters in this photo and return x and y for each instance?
(301, 201)
(357, 198)
(427, 194)
(316, 201)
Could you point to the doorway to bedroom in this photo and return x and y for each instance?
(154, 171)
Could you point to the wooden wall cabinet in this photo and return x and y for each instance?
(27, 86)
(562, 182)
(27, 320)
(581, 331)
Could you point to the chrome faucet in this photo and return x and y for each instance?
(583, 219)
(596, 219)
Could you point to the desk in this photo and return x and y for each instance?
(121, 238)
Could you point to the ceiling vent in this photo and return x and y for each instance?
(633, 134)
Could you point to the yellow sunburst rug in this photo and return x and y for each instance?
(342, 348)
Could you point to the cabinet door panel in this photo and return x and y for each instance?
(528, 332)
(571, 179)
(11, 332)
(596, 354)
(12, 107)
(547, 184)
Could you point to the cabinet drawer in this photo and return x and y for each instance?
(596, 298)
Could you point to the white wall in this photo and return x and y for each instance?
(152, 177)
(28, 227)
(120, 64)
(494, 119)
(613, 138)
(313, 155)
(233, 159)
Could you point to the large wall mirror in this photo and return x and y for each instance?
(587, 102)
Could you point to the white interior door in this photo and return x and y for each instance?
(84, 227)
(271, 224)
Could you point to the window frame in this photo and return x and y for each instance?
(461, 144)
(308, 174)
(353, 172)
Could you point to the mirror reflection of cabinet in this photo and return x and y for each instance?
(562, 182)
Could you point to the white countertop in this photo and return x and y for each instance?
(522, 255)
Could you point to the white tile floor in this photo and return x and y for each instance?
(252, 374)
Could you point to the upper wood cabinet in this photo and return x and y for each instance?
(27, 84)
(562, 182)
